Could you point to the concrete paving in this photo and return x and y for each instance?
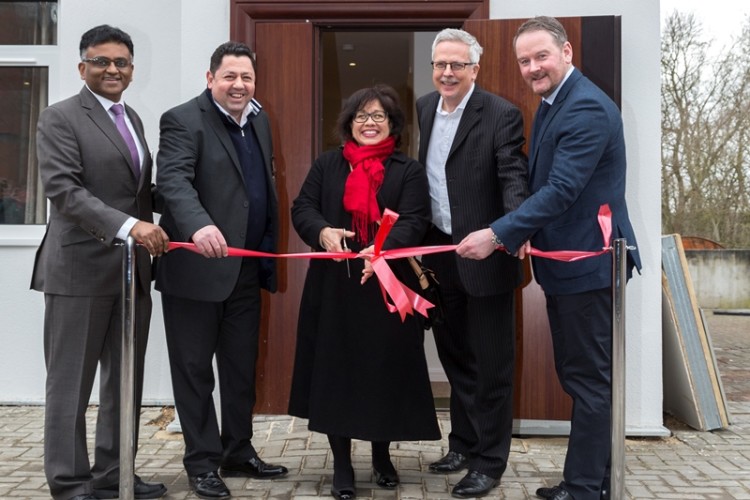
(687, 465)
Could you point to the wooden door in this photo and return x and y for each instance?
(285, 88)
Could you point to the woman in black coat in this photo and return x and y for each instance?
(359, 371)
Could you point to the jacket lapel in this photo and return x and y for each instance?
(101, 119)
(214, 121)
(469, 119)
(556, 106)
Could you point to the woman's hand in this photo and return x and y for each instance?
(367, 272)
(334, 240)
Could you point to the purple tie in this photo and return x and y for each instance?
(122, 127)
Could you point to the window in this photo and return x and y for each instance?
(27, 30)
(28, 23)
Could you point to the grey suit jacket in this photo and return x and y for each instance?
(87, 175)
(486, 174)
(200, 180)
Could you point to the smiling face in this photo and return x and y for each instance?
(233, 84)
(542, 61)
(109, 82)
(453, 85)
(370, 132)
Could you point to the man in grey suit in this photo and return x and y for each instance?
(577, 164)
(99, 188)
(471, 144)
(217, 181)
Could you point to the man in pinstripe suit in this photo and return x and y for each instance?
(471, 144)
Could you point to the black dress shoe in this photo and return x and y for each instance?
(562, 495)
(85, 496)
(387, 480)
(209, 485)
(452, 462)
(474, 484)
(551, 492)
(343, 493)
(255, 467)
(548, 492)
(141, 489)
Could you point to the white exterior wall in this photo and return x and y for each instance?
(173, 42)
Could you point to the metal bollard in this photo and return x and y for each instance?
(127, 374)
(619, 280)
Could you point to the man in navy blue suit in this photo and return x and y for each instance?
(576, 164)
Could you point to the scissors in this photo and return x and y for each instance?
(348, 270)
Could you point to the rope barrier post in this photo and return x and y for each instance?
(619, 280)
(127, 374)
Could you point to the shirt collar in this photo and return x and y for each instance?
(106, 103)
(461, 105)
(549, 100)
(253, 108)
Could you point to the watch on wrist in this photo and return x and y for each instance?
(495, 240)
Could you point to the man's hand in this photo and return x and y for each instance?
(210, 242)
(151, 236)
(524, 250)
(477, 245)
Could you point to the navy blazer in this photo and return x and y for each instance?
(486, 177)
(577, 164)
(200, 180)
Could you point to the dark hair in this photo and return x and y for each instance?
(230, 49)
(382, 93)
(103, 34)
(543, 23)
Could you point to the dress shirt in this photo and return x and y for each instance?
(441, 139)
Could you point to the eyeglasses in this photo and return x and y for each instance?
(104, 62)
(455, 66)
(377, 117)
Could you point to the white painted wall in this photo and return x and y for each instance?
(173, 42)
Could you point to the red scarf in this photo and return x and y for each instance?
(363, 183)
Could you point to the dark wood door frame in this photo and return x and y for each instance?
(245, 14)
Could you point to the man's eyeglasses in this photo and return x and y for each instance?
(455, 66)
(377, 117)
(104, 62)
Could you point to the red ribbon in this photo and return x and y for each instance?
(406, 300)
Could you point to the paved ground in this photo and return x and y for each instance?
(687, 465)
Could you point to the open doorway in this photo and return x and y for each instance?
(354, 59)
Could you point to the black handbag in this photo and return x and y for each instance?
(430, 291)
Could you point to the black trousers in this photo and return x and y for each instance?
(581, 326)
(476, 346)
(196, 331)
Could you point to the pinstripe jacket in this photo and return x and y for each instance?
(486, 174)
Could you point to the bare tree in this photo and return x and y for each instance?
(705, 128)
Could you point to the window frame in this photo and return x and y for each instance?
(35, 56)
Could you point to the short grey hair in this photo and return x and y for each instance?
(456, 35)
